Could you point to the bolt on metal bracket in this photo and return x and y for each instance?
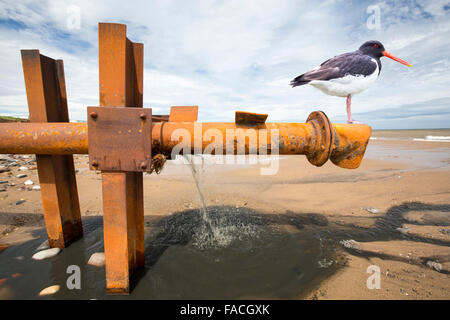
(120, 139)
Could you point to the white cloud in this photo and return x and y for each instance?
(230, 55)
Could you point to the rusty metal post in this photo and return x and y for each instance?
(47, 102)
(121, 84)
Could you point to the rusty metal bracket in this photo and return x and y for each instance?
(120, 139)
(250, 119)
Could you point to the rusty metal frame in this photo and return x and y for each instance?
(47, 102)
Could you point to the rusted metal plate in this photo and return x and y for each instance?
(47, 102)
(249, 118)
(119, 139)
(183, 113)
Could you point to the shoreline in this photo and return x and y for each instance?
(415, 188)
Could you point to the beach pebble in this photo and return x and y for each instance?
(22, 175)
(50, 290)
(43, 246)
(4, 169)
(403, 230)
(28, 182)
(97, 259)
(20, 202)
(372, 210)
(445, 231)
(45, 254)
(23, 168)
(3, 181)
(351, 244)
(25, 157)
(2, 189)
(434, 265)
(36, 188)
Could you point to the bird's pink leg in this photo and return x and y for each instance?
(349, 108)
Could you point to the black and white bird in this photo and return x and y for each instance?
(348, 74)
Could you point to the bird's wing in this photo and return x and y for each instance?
(352, 63)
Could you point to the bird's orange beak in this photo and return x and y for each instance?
(387, 54)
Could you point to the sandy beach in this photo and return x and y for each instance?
(394, 209)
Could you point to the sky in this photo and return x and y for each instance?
(241, 55)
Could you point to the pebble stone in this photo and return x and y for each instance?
(97, 259)
(49, 291)
(45, 254)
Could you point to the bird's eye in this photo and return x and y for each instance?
(375, 46)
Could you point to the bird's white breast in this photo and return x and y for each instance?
(349, 84)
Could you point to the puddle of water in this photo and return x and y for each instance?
(259, 259)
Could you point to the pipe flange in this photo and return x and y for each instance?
(324, 137)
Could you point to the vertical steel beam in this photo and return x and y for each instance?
(121, 85)
(47, 102)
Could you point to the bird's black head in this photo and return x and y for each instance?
(372, 48)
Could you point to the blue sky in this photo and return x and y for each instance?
(240, 55)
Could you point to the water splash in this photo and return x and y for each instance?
(196, 174)
(215, 231)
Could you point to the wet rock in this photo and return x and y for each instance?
(4, 169)
(49, 291)
(372, 210)
(350, 244)
(20, 202)
(434, 265)
(43, 246)
(324, 263)
(23, 168)
(28, 182)
(97, 259)
(45, 254)
(36, 188)
(22, 175)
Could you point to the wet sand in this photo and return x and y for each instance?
(396, 207)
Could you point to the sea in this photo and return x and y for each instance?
(431, 135)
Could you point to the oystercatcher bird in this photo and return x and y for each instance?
(348, 74)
